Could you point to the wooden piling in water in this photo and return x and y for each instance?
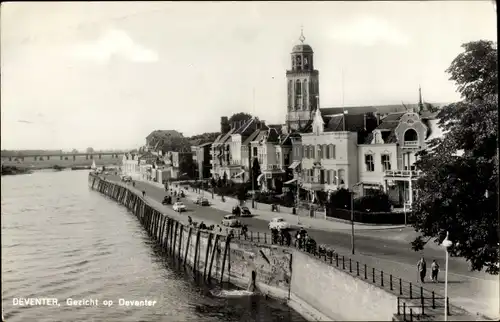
(207, 252)
(172, 251)
(196, 255)
(214, 250)
(226, 253)
(179, 250)
(187, 245)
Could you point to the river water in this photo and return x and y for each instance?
(61, 240)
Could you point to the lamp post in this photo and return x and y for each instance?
(446, 243)
(352, 216)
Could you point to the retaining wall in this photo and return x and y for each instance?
(211, 255)
(318, 290)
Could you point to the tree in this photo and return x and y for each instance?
(237, 117)
(341, 199)
(241, 194)
(255, 171)
(187, 166)
(74, 151)
(224, 178)
(458, 191)
(90, 150)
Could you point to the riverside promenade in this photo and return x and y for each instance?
(376, 247)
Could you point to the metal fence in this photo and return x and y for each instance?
(410, 295)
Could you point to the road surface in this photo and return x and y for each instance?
(476, 292)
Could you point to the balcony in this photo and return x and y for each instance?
(402, 173)
(410, 144)
(313, 185)
(272, 167)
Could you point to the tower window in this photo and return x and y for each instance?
(298, 94)
(304, 89)
(298, 62)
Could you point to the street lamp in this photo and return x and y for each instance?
(446, 243)
(352, 215)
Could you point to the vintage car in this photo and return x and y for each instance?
(202, 201)
(245, 212)
(278, 223)
(231, 221)
(179, 206)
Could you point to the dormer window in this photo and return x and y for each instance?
(410, 138)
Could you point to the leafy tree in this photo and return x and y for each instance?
(90, 150)
(237, 117)
(255, 171)
(241, 194)
(458, 191)
(74, 151)
(187, 166)
(341, 199)
(377, 201)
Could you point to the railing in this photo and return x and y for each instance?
(407, 292)
(271, 167)
(409, 312)
(402, 173)
(410, 143)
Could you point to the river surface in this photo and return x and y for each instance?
(61, 240)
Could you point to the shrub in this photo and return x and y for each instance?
(376, 202)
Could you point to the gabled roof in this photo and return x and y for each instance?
(353, 123)
(272, 135)
(205, 144)
(251, 137)
(381, 109)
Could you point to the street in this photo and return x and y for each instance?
(473, 291)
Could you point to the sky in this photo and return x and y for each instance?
(106, 74)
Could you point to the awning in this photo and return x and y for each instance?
(290, 181)
(239, 174)
(294, 165)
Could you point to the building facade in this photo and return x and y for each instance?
(302, 86)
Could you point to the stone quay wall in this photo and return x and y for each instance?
(310, 283)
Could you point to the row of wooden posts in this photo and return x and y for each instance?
(169, 232)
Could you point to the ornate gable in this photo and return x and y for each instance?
(318, 122)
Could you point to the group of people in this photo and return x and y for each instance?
(422, 270)
(281, 237)
(304, 241)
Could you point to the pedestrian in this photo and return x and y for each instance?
(422, 269)
(434, 271)
(143, 193)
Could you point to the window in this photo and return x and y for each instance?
(298, 94)
(254, 152)
(369, 163)
(311, 148)
(332, 151)
(328, 180)
(334, 176)
(322, 176)
(278, 158)
(320, 152)
(341, 175)
(386, 162)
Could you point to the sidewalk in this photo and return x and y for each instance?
(469, 291)
(304, 221)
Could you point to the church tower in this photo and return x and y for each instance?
(302, 86)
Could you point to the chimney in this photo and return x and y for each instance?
(224, 124)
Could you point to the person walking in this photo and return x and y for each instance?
(422, 269)
(143, 193)
(434, 271)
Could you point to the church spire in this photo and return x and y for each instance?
(302, 38)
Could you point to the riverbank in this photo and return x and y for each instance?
(13, 170)
(377, 292)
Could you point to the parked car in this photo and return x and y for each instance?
(278, 223)
(126, 178)
(179, 206)
(231, 221)
(202, 201)
(245, 212)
